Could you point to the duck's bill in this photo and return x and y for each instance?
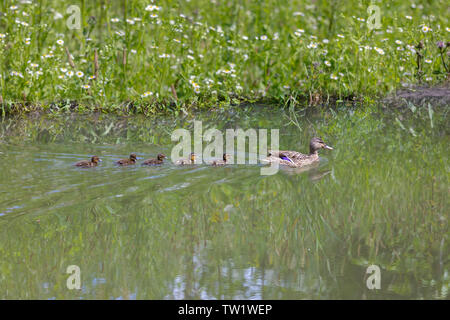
(328, 147)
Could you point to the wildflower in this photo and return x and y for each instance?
(63, 70)
(299, 32)
(80, 74)
(197, 89)
(164, 56)
(60, 42)
(447, 29)
(13, 8)
(146, 94)
(425, 29)
(428, 61)
(379, 50)
(298, 13)
(398, 42)
(340, 36)
(34, 65)
(153, 16)
(312, 45)
(27, 41)
(91, 77)
(152, 8)
(129, 21)
(428, 79)
(85, 86)
(69, 74)
(408, 17)
(245, 37)
(2, 36)
(115, 20)
(440, 44)
(327, 63)
(333, 77)
(263, 38)
(120, 33)
(325, 40)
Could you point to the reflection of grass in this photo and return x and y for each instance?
(385, 202)
(176, 56)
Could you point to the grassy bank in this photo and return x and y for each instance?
(139, 56)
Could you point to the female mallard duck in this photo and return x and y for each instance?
(183, 162)
(222, 162)
(126, 162)
(296, 159)
(88, 164)
(152, 162)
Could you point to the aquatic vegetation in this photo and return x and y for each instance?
(148, 57)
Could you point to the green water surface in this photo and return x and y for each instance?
(380, 197)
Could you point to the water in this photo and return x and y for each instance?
(380, 197)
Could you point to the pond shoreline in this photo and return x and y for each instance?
(417, 95)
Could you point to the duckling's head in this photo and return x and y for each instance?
(133, 157)
(161, 156)
(95, 159)
(226, 157)
(316, 144)
(192, 157)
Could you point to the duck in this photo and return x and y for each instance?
(126, 162)
(152, 162)
(189, 161)
(88, 163)
(296, 159)
(222, 162)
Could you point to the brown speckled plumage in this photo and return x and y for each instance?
(152, 162)
(126, 162)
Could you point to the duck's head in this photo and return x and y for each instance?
(96, 159)
(226, 157)
(161, 156)
(316, 144)
(133, 157)
(192, 157)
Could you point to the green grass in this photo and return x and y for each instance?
(203, 53)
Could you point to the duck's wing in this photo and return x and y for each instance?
(293, 155)
(149, 161)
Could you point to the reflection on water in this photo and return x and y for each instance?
(167, 232)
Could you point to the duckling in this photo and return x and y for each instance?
(296, 159)
(88, 164)
(222, 162)
(183, 162)
(126, 162)
(151, 162)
